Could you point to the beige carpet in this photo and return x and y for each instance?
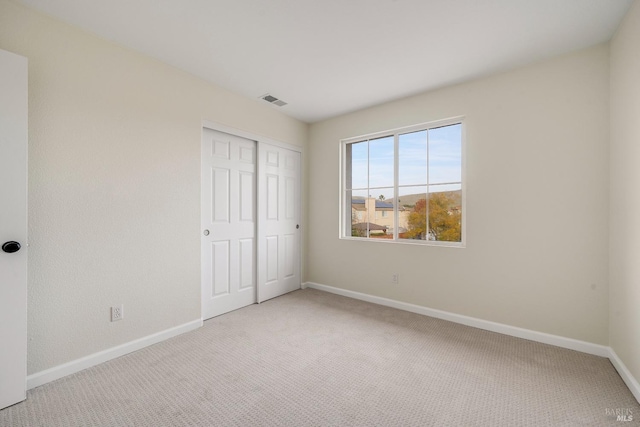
(311, 358)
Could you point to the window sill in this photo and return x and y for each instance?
(459, 245)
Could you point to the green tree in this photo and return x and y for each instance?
(444, 219)
(381, 197)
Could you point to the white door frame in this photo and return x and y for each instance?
(260, 141)
(250, 135)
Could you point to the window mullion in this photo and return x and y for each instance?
(396, 174)
(366, 200)
(346, 216)
(427, 229)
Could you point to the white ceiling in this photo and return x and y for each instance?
(328, 57)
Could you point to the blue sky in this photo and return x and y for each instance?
(444, 162)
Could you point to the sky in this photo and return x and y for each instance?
(444, 163)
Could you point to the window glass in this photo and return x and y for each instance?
(412, 214)
(381, 160)
(445, 154)
(359, 213)
(358, 163)
(412, 158)
(445, 213)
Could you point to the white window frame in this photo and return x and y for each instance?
(345, 206)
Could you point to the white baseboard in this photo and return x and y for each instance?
(570, 343)
(625, 374)
(48, 375)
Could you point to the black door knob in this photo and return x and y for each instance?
(11, 247)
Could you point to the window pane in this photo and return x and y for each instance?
(445, 154)
(383, 221)
(381, 162)
(445, 213)
(372, 216)
(356, 165)
(412, 213)
(412, 158)
(359, 213)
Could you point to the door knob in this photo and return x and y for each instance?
(11, 247)
(205, 232)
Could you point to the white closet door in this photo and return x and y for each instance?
(279, 221)
(13, 228)
(228, 223)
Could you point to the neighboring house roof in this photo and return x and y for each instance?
(380, 204)
(372, 226)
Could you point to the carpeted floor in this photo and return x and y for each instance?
(311, 358)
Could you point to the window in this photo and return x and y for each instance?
(405, 185)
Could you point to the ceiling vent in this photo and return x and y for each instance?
(273, 100)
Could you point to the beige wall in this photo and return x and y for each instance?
(625, 199)
(114, 177)
(537, 202)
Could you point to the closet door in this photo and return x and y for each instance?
(279, 221)
(228, 223)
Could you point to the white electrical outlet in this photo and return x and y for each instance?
(395, 278)
(117, 313)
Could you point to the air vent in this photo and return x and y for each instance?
(273, 100)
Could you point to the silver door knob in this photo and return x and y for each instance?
(205, 232)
